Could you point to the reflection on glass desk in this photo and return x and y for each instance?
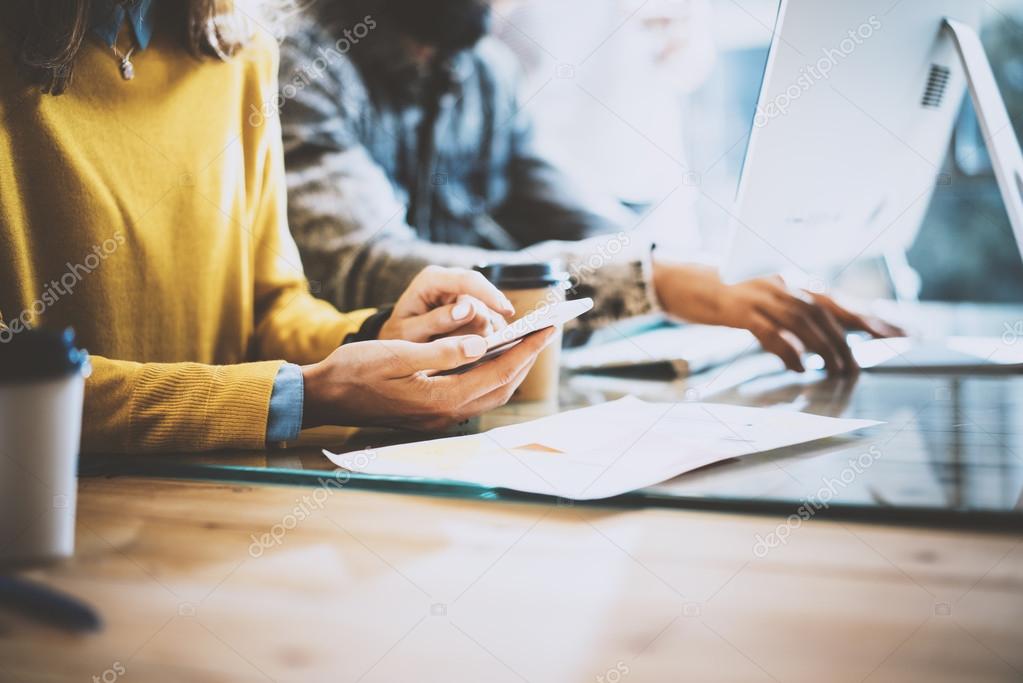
(950, 451)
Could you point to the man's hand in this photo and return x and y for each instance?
(785, 323)
(391, 383)
(447, 301)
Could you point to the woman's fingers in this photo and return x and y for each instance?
(476, 317)
(494, 399)
(498, 397)
(499, 372)
(436, 283)
(467, 315)
(487, 386)
(404, 358)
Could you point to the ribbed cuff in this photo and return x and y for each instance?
(193, 407)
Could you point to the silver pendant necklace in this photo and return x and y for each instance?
(127, 68)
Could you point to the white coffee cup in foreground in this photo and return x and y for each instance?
(42, 378)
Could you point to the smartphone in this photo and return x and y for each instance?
(540, 318)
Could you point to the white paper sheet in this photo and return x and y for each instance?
(603, 450)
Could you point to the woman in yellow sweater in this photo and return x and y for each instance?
(143, 206)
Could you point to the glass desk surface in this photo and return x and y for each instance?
(950, 451)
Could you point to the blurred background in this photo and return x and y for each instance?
(654, 100)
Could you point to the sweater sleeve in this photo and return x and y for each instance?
(137, 407)
(291, 324)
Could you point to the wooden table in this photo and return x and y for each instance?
(379, 587)
(208, 581)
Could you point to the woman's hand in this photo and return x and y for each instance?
(447, 301)
(391, 383)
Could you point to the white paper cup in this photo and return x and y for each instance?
(41, 395)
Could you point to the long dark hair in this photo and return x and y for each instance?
(51, 32)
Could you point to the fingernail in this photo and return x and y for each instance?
(474, 346)
(461, 311)
(508, 305)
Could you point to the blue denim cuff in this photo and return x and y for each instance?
(285, 419)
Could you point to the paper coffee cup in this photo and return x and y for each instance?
(529, 286)
(42, 378)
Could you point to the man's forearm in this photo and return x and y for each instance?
(691, 292)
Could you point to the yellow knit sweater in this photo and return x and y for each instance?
(150, 216)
